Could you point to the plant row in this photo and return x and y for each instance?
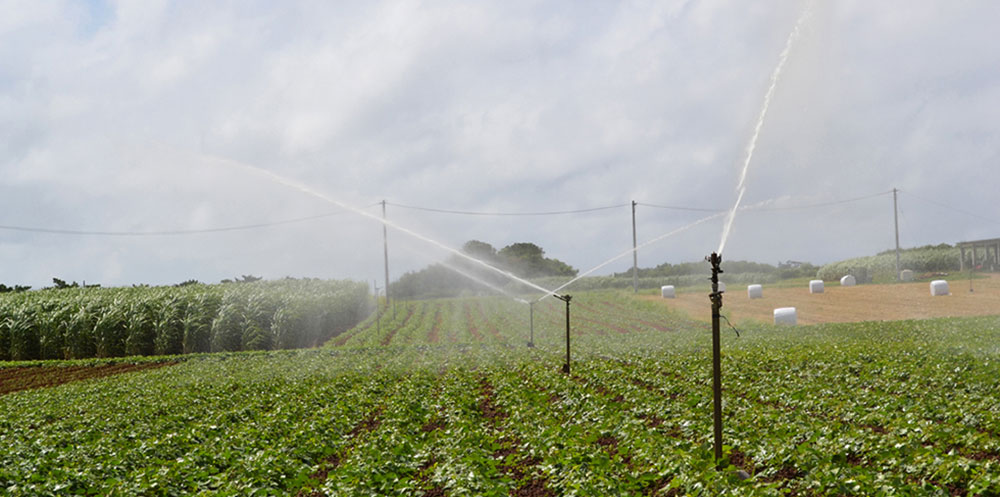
(111, 322)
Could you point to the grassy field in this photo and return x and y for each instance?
(444, 398)
(887, 302)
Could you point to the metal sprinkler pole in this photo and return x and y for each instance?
(531, 320)
(716, 297)
(566, 298)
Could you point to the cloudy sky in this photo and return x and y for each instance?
(153, 116)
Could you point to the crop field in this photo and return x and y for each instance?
(443, 397)
(880, 302)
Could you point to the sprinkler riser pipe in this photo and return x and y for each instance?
(715, 260)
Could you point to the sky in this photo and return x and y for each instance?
(138, 122)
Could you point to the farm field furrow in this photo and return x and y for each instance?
(445, 399)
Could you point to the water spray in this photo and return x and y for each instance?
(741, 188)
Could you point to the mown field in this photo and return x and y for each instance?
(837, 304)
(444, 398)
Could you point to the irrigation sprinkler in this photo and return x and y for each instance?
(531, 321)
(716, 296)
(566, 298)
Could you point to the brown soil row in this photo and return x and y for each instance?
(27, 378)
(370, 423)
(837, 304)
(519, 467)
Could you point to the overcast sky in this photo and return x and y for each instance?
(140, 116)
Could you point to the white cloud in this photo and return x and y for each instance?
(111, 121)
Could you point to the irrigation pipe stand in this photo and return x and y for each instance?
(716, 297)
(531, 324)
(566, 298)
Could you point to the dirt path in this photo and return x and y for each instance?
(849, 304)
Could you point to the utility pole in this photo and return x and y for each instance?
(895, 215)
(385, 246)
(378, 322)
(635, 256)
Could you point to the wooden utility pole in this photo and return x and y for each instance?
(895, 215)
(635, 255)
(385, 246)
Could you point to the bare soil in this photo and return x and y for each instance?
(837, 304)
(28, 378)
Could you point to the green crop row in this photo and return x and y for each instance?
(111, 322)
(444, 398)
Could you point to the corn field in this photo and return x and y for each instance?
(110, 322)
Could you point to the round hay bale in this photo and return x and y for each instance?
(667, 291)
(722, 286)
(755, 291)
(816, 286)
(848, 280)
(785, 315)
(939, 288)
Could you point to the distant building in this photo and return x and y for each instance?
(982, 253)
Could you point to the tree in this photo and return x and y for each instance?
(528, 260)
(480, 250)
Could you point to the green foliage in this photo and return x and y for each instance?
(459, 276)
(882, 267)
(455, 404)
(79, 322)
(731, 268)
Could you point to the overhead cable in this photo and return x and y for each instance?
(52, 231)
(821, 204)
(480, 213)
(946, 206)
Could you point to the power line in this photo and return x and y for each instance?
(479, 213)
(946, 206)
(821, 204)
(765, 209)
(678, 208)
(52, 231)
(30, 229)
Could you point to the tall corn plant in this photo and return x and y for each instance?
(198, 318)
(169, 326)
(51, 321)
(111, 329)
(23, 330)
(227, 327)
(258, 315)
(6, 308)
(140, 324)
(80, 337)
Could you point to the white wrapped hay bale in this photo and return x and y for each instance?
(667, 291)
(939, 287)
(722, 286)
(755, 291)
(816, 286)
(906, 275)
(848, 280)
(785, 315)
